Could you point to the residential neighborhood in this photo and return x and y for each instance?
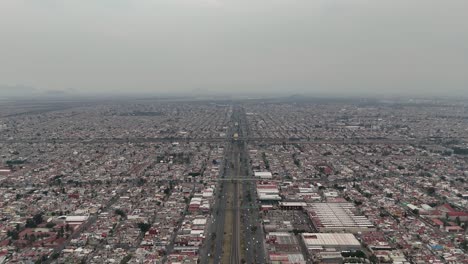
(153, 183)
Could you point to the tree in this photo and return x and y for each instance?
(144, 227)
(373, 259)
(37, 219)
(126, 259)
(30, 223)
(121, 213)
(431, 191)
(464, 245)
(41, 260)
(13, 234)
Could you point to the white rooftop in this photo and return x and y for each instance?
(329, 239)
(263, 174)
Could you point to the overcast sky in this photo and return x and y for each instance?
(235, 46)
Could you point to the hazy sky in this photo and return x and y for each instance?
(314, 46)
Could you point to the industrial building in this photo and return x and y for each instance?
(330, 241)
(284, 248)
(337, 217)
(263, 174)
(292, 205)
(268, 192)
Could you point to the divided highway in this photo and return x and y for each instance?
(242, 230)
(235, 235)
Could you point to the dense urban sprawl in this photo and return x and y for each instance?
(340, 181)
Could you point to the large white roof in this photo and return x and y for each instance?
(263, 174)
(74, 218)
(330, 239)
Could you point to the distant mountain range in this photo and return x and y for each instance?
(13, 91)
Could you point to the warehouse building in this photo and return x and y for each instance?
(268, 192)
(331, 242)
(337, 217)
(263, 174)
